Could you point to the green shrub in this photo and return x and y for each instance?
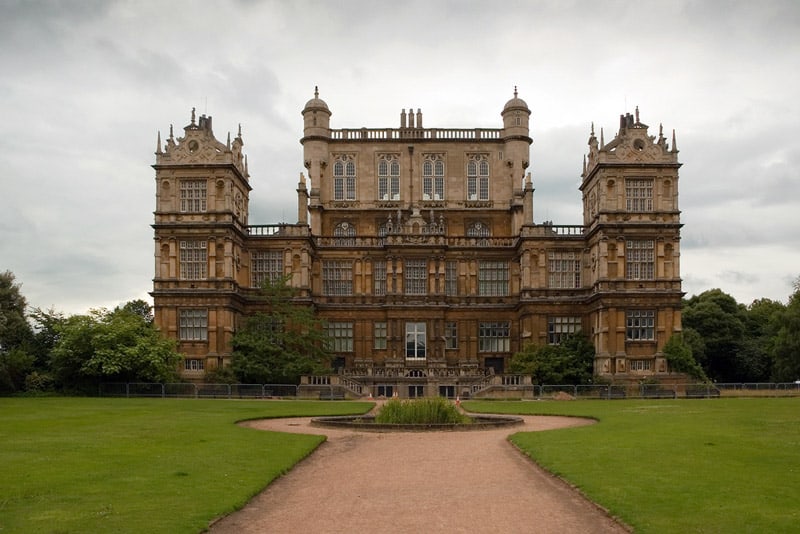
(435, 411)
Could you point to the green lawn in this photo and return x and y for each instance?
(78, 465)
(716, 465)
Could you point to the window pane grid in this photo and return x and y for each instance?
(379, 335)
(560, 327)
(415, 341)
(493, 278)
(451, 335)
(344, 178)
(639, 194)
(194, 260)
(193, 324)
(193, 196)
(388, 178)
(640, 325)
(433, 178)
(337, 278)
(451, 279)
(379, 278)
(416, 277)
(640, 260)
(494, 337)
(265, 265)
(564, 270)
(478, 177)
(340, 336)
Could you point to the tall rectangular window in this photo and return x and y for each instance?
(416, 341)
(265, 265)
(451, 278)
(340, 336)
(416, 277)
(478, 177)
(494, 336)
(193, 324)
(337, 277)
(379, 334)
(433, 177)
(389, 177)
(193, 196)
(493, 278)
(379, 278)
(559, 328)
(640, 325)
(640, 259)
(344, 178)
(639, 194)
(563, 269)
(193, 259)
(451, 335)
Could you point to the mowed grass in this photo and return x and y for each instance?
(78, 465)
(708, 466)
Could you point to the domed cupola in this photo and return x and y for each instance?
(516, 104)
(516, 116)
(316, 115)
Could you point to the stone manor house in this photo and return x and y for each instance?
(417, 246)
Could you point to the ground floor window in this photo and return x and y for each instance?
(340, 336)
(193, 364)
(494, 336)
(379, 335)
(447, 391)
(415, 341)
(639, 365)
(451, 335)
(384, 391)
(416, 391)
(559, 328)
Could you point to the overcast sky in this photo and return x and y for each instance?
(86, 85)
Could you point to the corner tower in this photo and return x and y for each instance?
(201, 217)
(632, 224)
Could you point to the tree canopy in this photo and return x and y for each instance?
(570, 362)
(280, 343)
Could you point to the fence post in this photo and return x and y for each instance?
(127, 390)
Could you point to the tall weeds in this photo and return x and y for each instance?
(433, 411)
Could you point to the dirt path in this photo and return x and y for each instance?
(418, 482)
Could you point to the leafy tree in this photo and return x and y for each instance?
(15, 336)
(138, 307)
(571, 362)
(14, 328)
(719, 320)
(786, 349)
(118, 346)
(679, 357)
(280, 343)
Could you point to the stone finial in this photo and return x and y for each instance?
(316, 91)
(602, 139)
(515, 91)
(228, 144)
(193, 117)
(158, 143)
(637, 114)
(239, 135)
(171, 137)
(674, 143)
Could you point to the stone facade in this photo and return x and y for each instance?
(417, 246)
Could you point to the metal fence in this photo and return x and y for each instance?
(496, 391)
(189, 390)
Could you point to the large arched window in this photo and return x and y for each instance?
(478, 229)
(433, 177)
(389, 177)
(344, 178)
(478, 177)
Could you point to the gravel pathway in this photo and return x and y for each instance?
(418, 482)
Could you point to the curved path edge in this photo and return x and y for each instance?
(441, 481)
